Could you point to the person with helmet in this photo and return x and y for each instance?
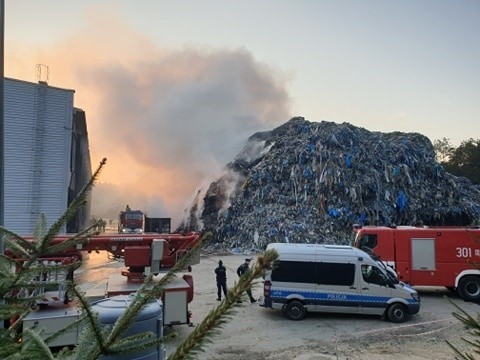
(221, 275)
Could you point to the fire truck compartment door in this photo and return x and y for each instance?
(423, 254)
(175, 305)
(157, 254)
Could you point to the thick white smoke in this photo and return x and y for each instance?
(166, 120)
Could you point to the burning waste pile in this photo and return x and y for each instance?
(311, 182)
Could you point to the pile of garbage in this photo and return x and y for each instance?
(311, 182)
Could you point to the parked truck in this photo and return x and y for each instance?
(430, 256)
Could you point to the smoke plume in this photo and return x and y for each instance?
(166, 120)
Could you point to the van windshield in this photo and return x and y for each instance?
(391, 274)
(374, 275)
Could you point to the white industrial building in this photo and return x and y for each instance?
(46, 155)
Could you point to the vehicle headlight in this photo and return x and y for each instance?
(416, 297)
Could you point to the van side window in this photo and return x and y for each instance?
(294, 271)
(368, 240)
(373, 275)
(335, 273)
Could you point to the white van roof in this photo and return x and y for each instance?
(299, 249)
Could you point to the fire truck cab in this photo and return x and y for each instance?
(430, 256)
(131, 221)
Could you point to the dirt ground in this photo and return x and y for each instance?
(258, 333)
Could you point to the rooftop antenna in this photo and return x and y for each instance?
(42, 73)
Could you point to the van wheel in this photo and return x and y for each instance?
(294, 310)
(397, 313)
(469, 288)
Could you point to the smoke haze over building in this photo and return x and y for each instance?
(165, 120)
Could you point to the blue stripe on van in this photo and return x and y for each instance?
(333, 299)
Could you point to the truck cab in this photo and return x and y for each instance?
(131, 221)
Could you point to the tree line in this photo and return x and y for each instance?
(463, 160)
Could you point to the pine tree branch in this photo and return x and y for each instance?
(92, 319)
(217, 317)
(148, 291)
(73, 325)
(6, 264)
(8, 311)
(8, 345)
(135, 343)
(79, 201)
(72, 242)
(14, 282)
(465, 356)
(11, 236)
(472, 324)
(34, 345)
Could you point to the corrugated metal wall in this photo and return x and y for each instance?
(38, 135)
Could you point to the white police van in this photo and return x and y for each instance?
(334, 278)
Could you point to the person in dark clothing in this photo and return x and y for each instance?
(221, 274)
(242, 269)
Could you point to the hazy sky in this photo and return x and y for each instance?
(172, 89)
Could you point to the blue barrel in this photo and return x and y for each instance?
(150, 318)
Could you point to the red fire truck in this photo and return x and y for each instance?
(137, 222)
(131, 221)
(431, 256)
